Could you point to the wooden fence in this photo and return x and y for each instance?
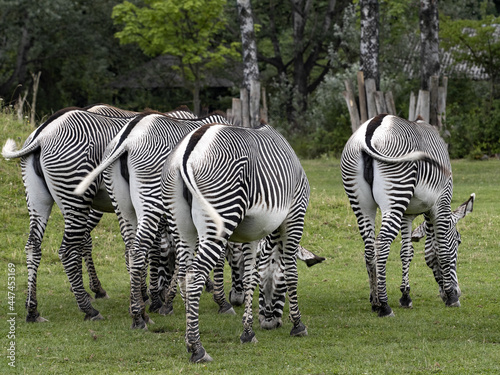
(239, 113)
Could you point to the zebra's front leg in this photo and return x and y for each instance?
(406, 256)
(291, 279)
(235, 259)
(250, 281)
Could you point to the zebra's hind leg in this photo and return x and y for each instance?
(94, 283)
(70, 254)
(406, 256)
(40, 204)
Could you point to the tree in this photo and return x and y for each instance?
(188, 30)
(475, 43)
(429, 42)
(297, 50)
(250, 67)
(369, 44)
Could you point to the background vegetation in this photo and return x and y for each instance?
(345, 337)
(74, 46)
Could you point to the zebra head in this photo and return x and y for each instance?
(431, 247)
(462, 210)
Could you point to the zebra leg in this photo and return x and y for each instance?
(167, 274)
(70, 254)
(94, 283)
(209, 251)
(40, 204)
(447, 256)
(391, 224)
(219, 296)
(154, 256)
(290, 238)
(272, 288)
(234, 257)
(250, 281)
(366, 225)
(431, 258)
(147, 234)
(406, 256)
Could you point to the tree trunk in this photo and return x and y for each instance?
(250, 67)
(429, 42)
(369, 44)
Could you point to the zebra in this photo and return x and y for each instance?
(132, 173)
(53, 159)
(402, 167)
(227, 183)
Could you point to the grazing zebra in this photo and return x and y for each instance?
(227, 183)
(402, 167)
(132, 163)
(53, 160)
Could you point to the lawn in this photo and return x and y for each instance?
(345, 337)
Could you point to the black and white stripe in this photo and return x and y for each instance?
(403, 168)
(226, 183)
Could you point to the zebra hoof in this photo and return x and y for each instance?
(93, 316)
(138, 323)
(270, 323)
(385, 311)
(236, 299)
(166, 309)
(227, 309)
(102, 295)
(249, 337)
(406, 302)
(299, 330)
(200, 356)
(35, 318)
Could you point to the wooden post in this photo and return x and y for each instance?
(423, 105)
(389, 103)
(442, 92)
(412, 109)
(362, 97)
(370, 98)
(380, 102)
(236, 112)
(351, 105)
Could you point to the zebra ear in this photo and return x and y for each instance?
(419, 232)
(464, 209)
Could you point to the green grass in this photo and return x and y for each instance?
(345, 337)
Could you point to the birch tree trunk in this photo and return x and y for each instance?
(369, 45)
(429, 42)
(250, 67)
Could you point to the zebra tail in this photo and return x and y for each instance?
(110, 159)
(189, 180)
(10, 151)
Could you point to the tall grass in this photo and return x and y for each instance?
(345, 337)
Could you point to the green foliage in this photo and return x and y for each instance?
(185, 29)
(475, 132)
(474, 42)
